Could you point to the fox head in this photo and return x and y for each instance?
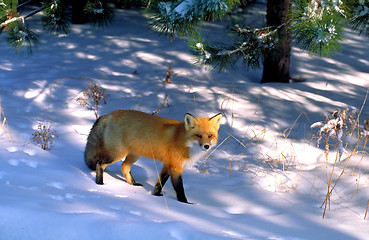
(203, 130)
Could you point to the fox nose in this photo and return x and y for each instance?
(206, 146)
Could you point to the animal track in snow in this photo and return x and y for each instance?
(251, 210)
(28, 162)
(60, 186)
(13, 162)
(57, 185)
(31, 163)
(121, 196)
(115, 207)
(28, 151)
(12, 149)
(137, 213)
(62, 197)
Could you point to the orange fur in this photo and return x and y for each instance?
(130, 134)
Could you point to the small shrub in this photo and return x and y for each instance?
(91, 97)
(44, 136)
(341, 125)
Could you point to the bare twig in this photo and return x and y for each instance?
(93, 94)
(162, 105)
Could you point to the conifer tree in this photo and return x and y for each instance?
(317, 26)
(276, 60)
(56, 18)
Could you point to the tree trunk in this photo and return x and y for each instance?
(78, 15)
(277, 61)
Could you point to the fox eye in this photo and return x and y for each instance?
(210, 136)
(198, 135)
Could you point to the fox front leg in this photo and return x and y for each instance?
(177, 183)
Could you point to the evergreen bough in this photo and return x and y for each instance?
(317, 26)
(55, 20)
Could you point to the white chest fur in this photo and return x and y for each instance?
(197, 153)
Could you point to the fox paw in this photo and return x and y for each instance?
(99, 182)
(155, 193)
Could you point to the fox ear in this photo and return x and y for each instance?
(190, 121)
(215, 120)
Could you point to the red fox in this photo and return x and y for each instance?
(131, 134)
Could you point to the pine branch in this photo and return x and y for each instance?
(318, 26)
(167, 20)
(18, 33)
(7, 22)
(99, 13)
(360, 18)
(19, 36)
(24, 3)
(249, 46)
(20, 18)
(183, 17)
(55, 19)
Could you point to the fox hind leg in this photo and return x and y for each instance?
(100, 168)
(126, 169)
(101, 165)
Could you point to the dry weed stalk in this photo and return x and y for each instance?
(5, 122)
(228, 100)
(163, 104)
(340, 127)
(208, 155)
(168, 74)
(280, 163)
(93, 94)
(273, 164)
(283, 159)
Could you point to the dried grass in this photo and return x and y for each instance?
(339, 124)
(4, 123)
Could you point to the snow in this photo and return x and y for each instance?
(363, 10)
(184, 8)
(265, 180)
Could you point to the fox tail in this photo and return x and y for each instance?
(95, 144)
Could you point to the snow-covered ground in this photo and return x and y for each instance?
(256, 185)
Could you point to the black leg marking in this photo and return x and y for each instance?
(99, 174)
(178, 187)
(163, 178)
